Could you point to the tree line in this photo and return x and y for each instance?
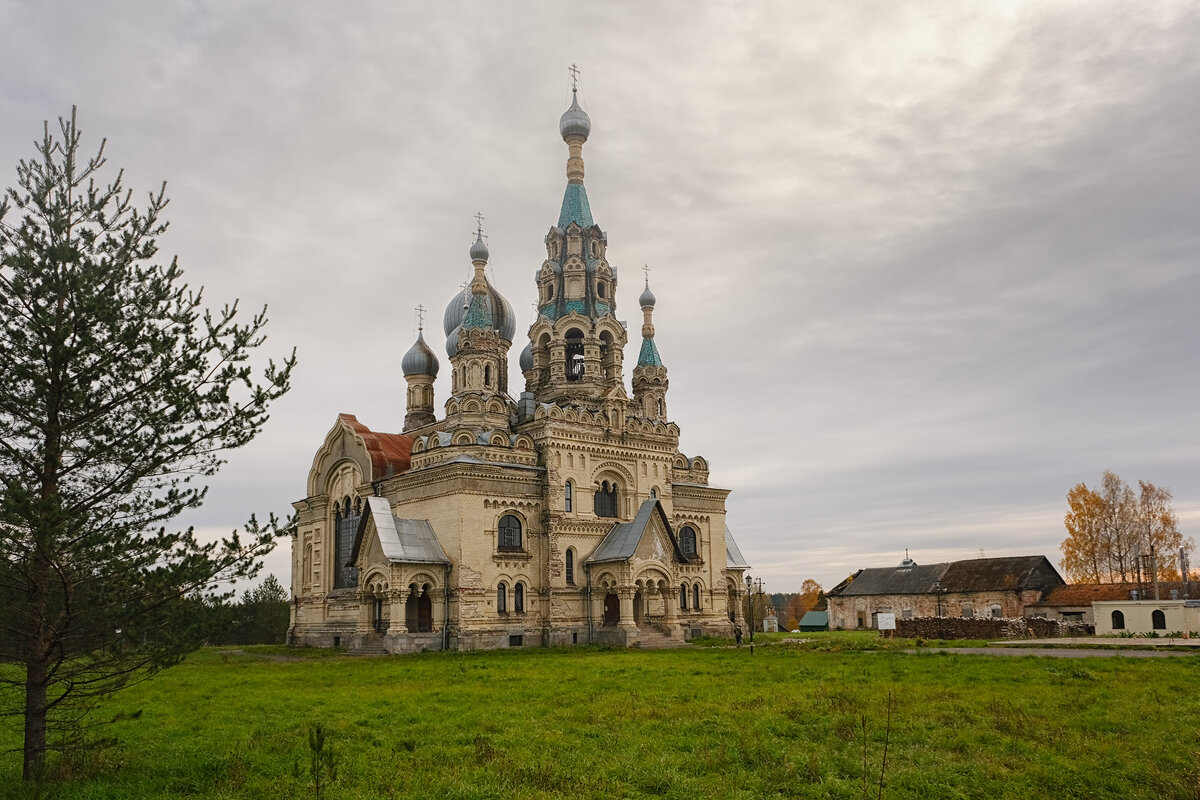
(1115, 534)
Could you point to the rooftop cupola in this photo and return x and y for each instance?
(650, 381)
(575, 125)
(420, 367)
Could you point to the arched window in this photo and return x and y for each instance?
(653, 493)
(568, 496)
(1158, 620)
(606, 500)
(600, 290)
(502, 598)
(510, 532)
(345, 522)
(687, 541)
(574, 354)
(519, 598)
(1118, 621)
(570, 565)
(683, 596)
(550, 291)
(696, 596)
(487, 375)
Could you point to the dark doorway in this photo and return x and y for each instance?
(425, 612)
(639, 615)
(377, 615)
(612, 609)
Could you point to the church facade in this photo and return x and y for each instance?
(565, 516)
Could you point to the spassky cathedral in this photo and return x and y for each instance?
(564, 516)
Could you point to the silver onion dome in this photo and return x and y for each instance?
(419, 360)
(504, 319)
(452, 342)
(526, 360)
(479, 251)
(646, 300)
(575, 121)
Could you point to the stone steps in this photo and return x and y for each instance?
(657, 640)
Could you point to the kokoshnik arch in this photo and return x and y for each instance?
(568, 516)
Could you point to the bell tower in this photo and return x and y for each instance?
(576, 343)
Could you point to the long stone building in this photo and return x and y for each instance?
(565, 516)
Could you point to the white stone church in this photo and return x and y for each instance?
(566, 516)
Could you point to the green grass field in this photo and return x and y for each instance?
(791, 721)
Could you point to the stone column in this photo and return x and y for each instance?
(398, 623)
(668, 605)
(625, 594)
(364, 612)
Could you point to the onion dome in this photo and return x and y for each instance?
(479, 251)
(504, 319)
(419, 360)
(575, 121)
(526, 360)
(646, 300)
(452, 341)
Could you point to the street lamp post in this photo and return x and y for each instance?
(750, 609)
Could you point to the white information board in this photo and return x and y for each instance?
(885, 622)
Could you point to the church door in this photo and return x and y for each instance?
(612, 609)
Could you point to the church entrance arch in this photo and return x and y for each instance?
(639, 611)
(612, 609)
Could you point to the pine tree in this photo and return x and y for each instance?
(120, 394)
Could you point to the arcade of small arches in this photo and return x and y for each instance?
(386, 606)
(650, 601)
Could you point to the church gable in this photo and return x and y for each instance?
(384, 538)
(647, 538)
(378, 455)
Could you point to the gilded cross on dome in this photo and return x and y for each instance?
(574, 70)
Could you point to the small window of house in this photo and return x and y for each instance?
(696, 596)
(906, 614)
(570, 566)
(1118, 621)
(502, 599)
(1158, 620)
(568, 496)
(996, 611)
(968, 612)
(683, 596)
(519, 598)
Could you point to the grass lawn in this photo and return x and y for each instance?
(791, 721)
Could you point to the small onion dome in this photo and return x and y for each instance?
(479, 251)
(504, 319)
(526, 360)
(419, 360)
(646, 300)
(452, 342)
(575, 120)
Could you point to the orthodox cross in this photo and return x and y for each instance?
(420, 309)
(646, 272)
(574, 70)
(479, 224)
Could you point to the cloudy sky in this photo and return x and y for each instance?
(920, 267)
